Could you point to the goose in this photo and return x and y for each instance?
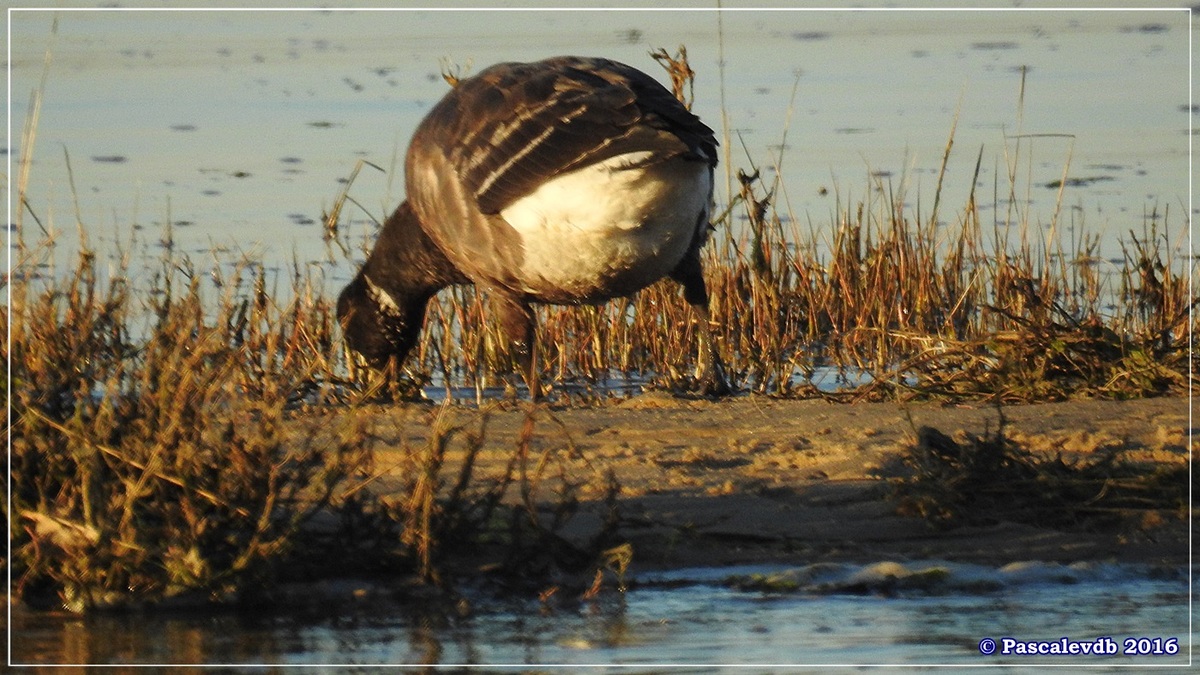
(571, 180)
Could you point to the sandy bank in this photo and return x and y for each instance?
(756, 479)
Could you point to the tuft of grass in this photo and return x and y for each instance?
(913, 308)
(903, 303)
(157, 453)
(453, 519)
(172, 448)
(989, 478)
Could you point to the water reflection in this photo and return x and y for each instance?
(235, 130)
(682, 617)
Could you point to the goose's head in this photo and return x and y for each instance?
(377, 324)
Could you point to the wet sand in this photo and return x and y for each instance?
(755, 479)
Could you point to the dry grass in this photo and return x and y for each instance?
(165, 443)
(989, 478)
(156, 452)
(173, 446)
(921, 309)
(909, 305)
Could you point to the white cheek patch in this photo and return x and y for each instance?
(382, 299)
(609, 221)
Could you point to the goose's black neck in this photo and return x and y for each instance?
(406, 263)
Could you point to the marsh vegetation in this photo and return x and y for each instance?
(176, 438)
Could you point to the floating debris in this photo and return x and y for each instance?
(1079, 182)
(993, 46)
(1148, 28)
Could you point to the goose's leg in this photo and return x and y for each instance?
(710, 372)
(516, 317)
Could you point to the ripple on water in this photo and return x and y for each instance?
(915, 612)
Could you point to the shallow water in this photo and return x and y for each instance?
(918, 613)
(238, 127)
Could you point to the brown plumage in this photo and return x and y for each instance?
(570, 180)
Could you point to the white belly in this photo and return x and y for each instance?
(606, 230)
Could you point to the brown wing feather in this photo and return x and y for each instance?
(514, 126)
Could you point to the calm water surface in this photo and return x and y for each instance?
(237, 128)
(843, 615)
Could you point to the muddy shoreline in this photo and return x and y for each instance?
(709, 485)
(758, 480)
